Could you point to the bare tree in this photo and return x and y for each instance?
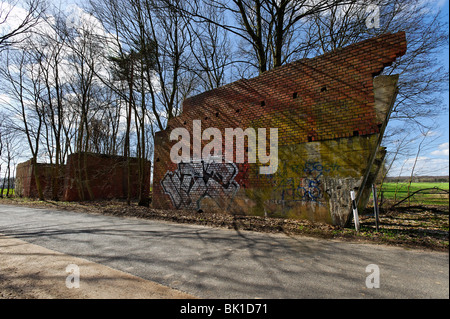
(150, 64)
(10, 144)
(211, 51)
(51, 46)
(22, 79)
(271, 30)
(2, 119)
(421, 77)
(16, 23)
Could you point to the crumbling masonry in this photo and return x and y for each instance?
(87, 176)
(330, 111)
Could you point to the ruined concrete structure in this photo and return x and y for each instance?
(330, 112)
(87, 176)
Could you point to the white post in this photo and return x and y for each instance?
(375, 207)
(355, 210)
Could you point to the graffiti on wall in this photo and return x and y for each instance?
(195, 180)
(304, 184)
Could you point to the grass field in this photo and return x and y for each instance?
(11, 192)
(429, 193)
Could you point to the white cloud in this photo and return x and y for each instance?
(11, 16)
(424, 166)
(4, 99)
(442, 150)
(432, 133)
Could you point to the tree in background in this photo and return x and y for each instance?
(21, 78)
(17, 24)
(106, 81)
(270, 33)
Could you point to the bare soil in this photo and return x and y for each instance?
(29, 271)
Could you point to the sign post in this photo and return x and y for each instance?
(375, 207)
(355, 210)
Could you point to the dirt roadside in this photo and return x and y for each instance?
(29, 271)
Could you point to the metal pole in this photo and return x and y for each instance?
(375, 206)
(355, 210)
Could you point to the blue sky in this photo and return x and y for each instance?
(434, 159)
(444, 120)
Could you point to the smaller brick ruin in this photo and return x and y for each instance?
(87, 176)
(25, 183)
(103, 177)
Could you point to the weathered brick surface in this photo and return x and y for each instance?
(97, 176)
(26, 183)
(321, 99)
(87, 176)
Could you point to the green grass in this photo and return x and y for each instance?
(398, 191)
(11, 192)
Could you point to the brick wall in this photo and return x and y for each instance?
(26, 183)
(87, 176)
(97, 176)
(324, 109)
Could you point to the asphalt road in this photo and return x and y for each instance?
(220, 263)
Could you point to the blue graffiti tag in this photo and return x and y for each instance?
(303, 188)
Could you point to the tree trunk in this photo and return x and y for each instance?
(36, 178)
